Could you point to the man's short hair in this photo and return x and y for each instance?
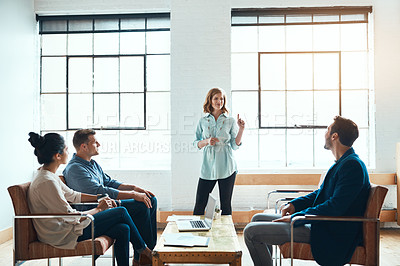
(82, 137)
(346, 129)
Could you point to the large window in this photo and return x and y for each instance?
(293, 70)
(110, 73)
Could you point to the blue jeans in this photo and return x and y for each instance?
(145, 220)
(116, 223)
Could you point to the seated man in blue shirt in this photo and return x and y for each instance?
(85, 175)
(344, 192)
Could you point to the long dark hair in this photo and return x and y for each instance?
(46, 146)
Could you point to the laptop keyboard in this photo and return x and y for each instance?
(197, 224)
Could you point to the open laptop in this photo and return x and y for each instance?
(200, 225)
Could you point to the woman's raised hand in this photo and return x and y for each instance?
(240, 122)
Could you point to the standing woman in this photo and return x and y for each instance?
(218, 134)
(48, 194)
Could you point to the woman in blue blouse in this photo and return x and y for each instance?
(218, 134)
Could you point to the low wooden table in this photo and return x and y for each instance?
(223, 247)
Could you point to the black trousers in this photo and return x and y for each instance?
(205, 187)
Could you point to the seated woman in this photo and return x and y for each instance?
(48, 194)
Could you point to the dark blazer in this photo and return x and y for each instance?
(344, 192)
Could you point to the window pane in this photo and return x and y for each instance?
(54, 25)
(158, 42)
(80, 25)
(106, 112)
(299, 71)
(80, 44)
(244, 20)
(158, 73)
(132, 42)
(106, 24)
(54, 44)
(354, 70)
(53, 74)
(298, 18)
(247, 154)
(244, 69)
(272, 72)
(273, 108)
(80, 75)
(325, 18)
(158, 23)
(132, 110)
(323, 157)
(244, 39)
(355, 106)
(106, 43)
(132, 74)
(246, 105)
(272, 19)
(326, 106)
(326, 38)
(271, 39)
(299, 38)
(300, 148)
(53, 111)
(299, 108)
(132, 23)
(354, 37)
(80, 110)
(109, 148)
(106, 74)
(158, 110)
(353, 17)
(326, 71)
(140, 150)
(272, 148)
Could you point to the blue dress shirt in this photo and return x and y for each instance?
(218, 160)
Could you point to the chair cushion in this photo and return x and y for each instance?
(38, 250)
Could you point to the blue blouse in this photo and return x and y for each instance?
(218, 160)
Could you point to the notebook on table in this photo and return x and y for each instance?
(200, 225)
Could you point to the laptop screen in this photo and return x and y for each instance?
(210, 208)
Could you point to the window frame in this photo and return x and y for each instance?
(238, 12)
(93, 18)
(311, 11)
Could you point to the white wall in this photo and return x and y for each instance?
(200, 58)
(18, 83)
(387, 82)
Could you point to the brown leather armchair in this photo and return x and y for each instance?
(368, 254)
(28, 247)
